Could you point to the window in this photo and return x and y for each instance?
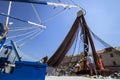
(109, 49)
(111, 55)
(100, 56)
(114, 63)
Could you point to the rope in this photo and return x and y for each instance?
(21, 34)
(55, 15)
(35, 35)
(36, 13)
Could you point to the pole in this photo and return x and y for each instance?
(7, 18)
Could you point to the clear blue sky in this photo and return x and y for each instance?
(102, 16)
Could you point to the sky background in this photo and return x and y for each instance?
(102, 16)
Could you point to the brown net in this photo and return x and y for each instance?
(80, 39)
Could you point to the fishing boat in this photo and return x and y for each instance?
(78, 40)
(12, 67)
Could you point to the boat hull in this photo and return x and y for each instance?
(26, 71)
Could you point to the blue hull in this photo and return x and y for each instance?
(26, 71)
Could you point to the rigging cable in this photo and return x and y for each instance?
(55, 15)
(50, 0)
(67, 2)
(33, 36)
(79, 6)
(74, 2)
(22, 34)
(21, 29)
(21, 38)
(36, 13)
(59, 1)
(24, 37)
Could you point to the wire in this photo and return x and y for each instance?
(36, 12)
(79, 6)
(24, 37)
(55, 15)
(33, 36)
(21, 34)
(21, 29)
(67, 2)
(74, 2)
(50, 0)
(59, 1)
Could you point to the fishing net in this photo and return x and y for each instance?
(80, 39)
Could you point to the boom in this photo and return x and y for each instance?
(46, 3)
